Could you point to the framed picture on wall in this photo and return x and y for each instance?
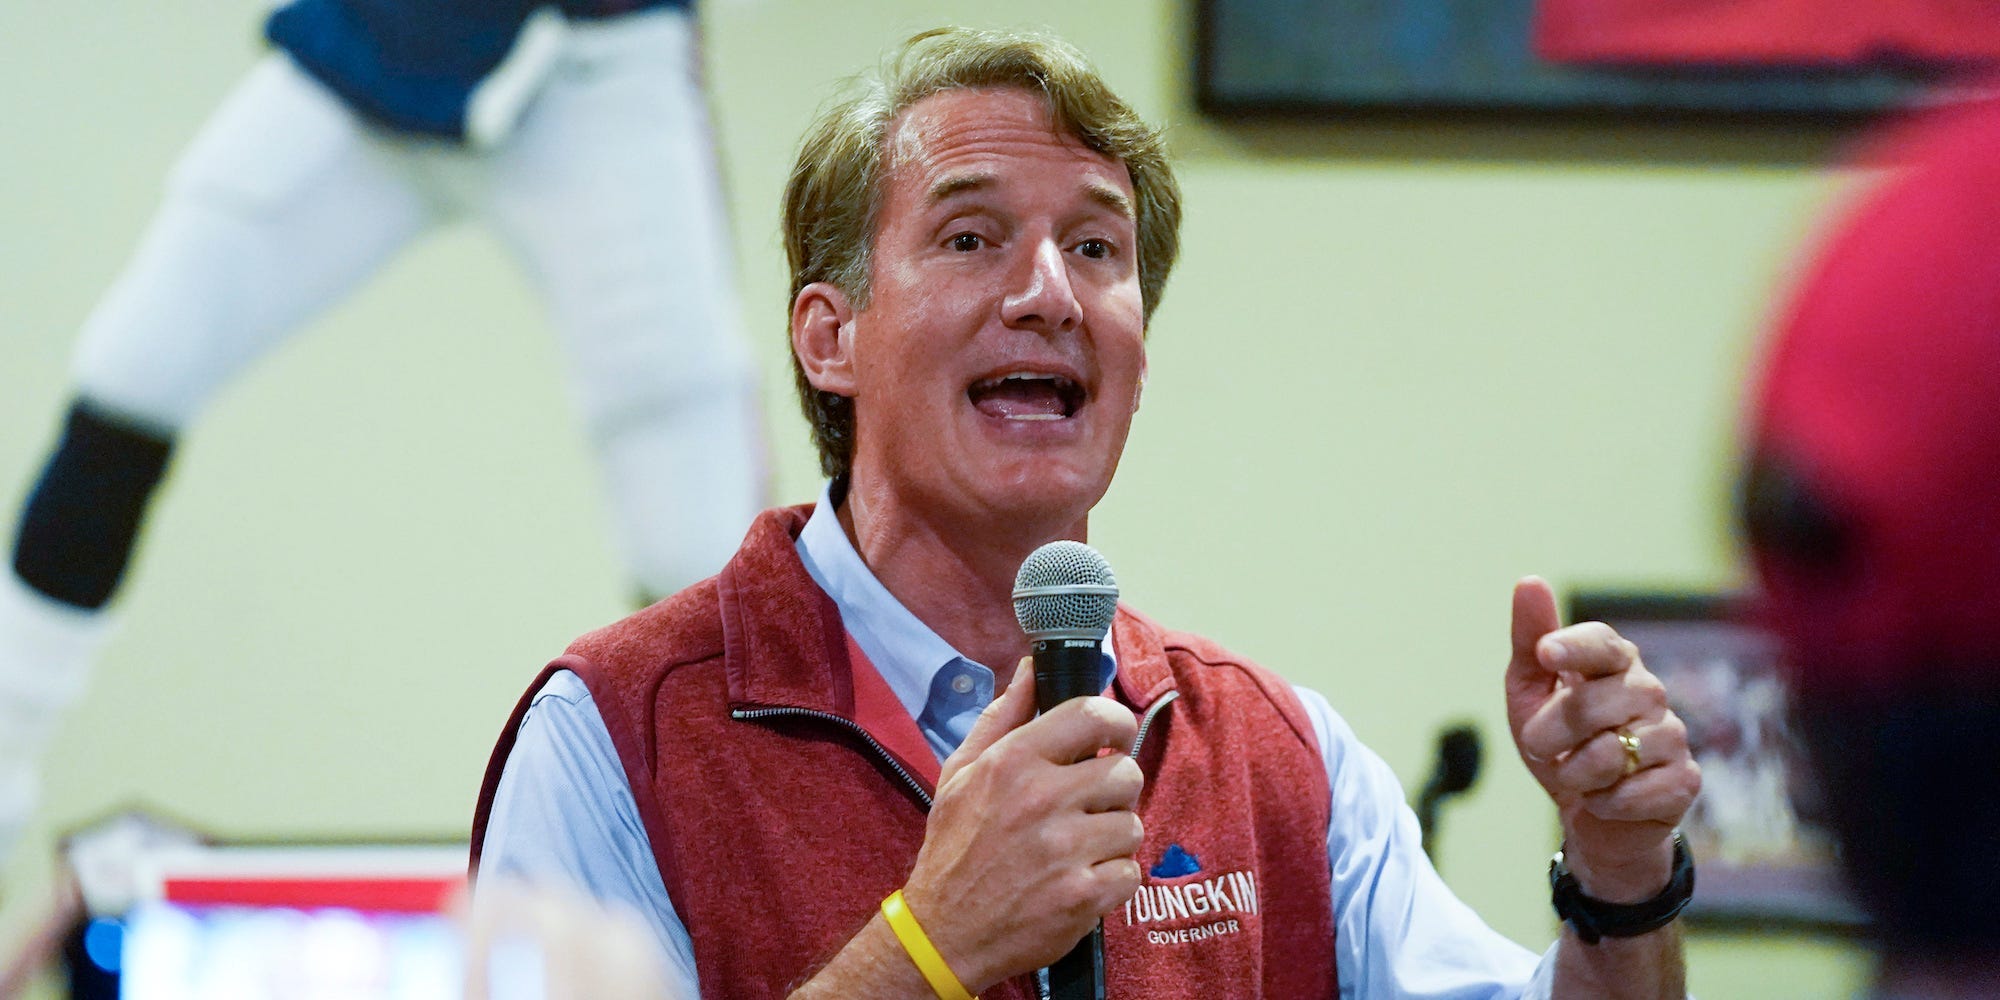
(1763, 853)
(1762, 58)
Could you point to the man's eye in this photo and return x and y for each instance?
(1094, 249)
(966, 242)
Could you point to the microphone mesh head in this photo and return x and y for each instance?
(1065, 588)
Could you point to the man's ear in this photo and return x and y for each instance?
(1139, 390)
(823, 337)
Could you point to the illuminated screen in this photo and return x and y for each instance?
(175, 952)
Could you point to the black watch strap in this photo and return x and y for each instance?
(1595, 919)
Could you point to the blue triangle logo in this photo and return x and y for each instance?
(1176, 863)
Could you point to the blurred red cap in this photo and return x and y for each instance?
(1879, 395)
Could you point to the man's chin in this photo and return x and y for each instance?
(1048, 493)
(1004, 489)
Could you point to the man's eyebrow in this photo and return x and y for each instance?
(1111, 198)
(1101, 193)
(958, 184)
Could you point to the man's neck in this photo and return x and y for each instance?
(955, 579)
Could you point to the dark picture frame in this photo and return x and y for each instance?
(1347, 57)
(1764, 856)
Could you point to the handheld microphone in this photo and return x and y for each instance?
(1456, 769)
(1064, 598)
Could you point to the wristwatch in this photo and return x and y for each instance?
(1595, 919)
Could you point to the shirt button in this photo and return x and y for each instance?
(962, 684)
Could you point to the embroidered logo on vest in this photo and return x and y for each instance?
(1190, 908)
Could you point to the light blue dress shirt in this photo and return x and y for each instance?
(564, 812)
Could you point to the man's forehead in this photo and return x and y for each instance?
(939, 143)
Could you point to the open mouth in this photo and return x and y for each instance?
(1027, 396)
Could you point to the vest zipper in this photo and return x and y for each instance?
(854, 727)
(1138, 741)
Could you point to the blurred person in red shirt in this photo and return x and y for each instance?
(1871, 504)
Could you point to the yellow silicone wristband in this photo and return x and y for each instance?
(921, 950)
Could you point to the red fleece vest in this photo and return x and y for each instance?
(785, 790)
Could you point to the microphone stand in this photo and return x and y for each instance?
(1456, 769)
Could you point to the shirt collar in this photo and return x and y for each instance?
(903, 649)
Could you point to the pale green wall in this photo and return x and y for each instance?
(1400, 365)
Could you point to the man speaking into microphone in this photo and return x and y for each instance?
(822, 773)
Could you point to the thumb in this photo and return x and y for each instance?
(1534, 616)
(1529, 684)
(1002, 715)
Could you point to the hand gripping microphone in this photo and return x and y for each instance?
(1064, 598)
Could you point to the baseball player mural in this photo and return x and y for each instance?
(577, 131)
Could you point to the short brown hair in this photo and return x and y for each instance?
(834, 198)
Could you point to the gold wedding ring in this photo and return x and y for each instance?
(1631, 745)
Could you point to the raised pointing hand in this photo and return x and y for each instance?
(1571, 692)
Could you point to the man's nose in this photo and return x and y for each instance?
(1042, 297)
